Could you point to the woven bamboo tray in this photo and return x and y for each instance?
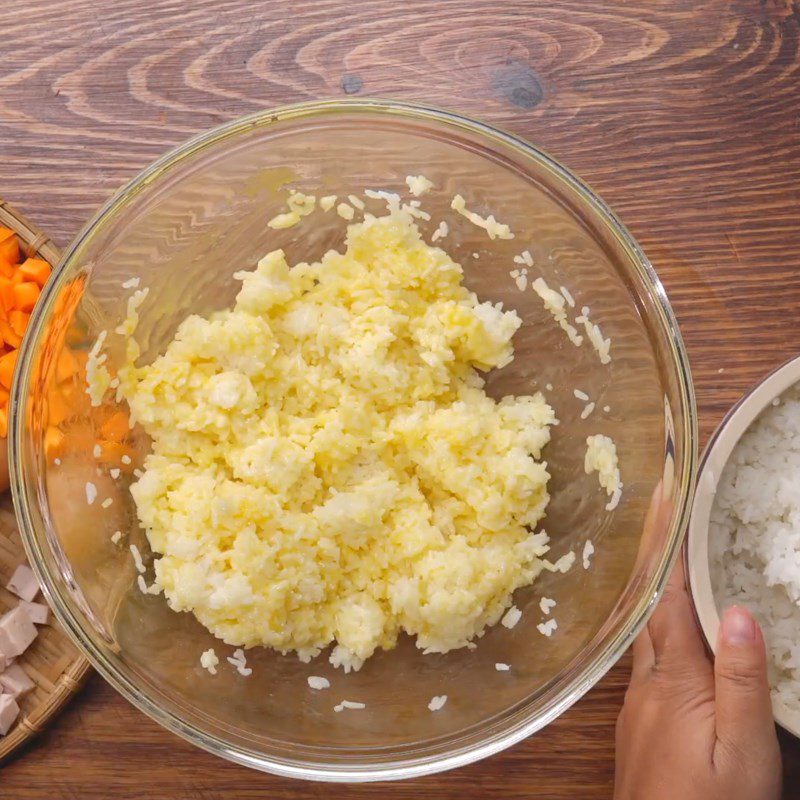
(52, 661)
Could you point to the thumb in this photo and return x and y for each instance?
(744, 720)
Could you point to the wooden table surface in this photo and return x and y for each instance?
(683, 114)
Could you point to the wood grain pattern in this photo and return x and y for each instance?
(681, 113)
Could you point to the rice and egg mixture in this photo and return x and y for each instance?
(326, 466)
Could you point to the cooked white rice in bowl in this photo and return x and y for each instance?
(754, 538)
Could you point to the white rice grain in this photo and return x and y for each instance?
(348, 704)
(511, 617)
(588, 552)
(437, 702)
(137, 559)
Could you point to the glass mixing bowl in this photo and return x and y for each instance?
(183, 227)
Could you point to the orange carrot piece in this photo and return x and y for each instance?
(3, 423)
(53, 441)
(25, 295)
(116, 427)
(6, 293)
(7, 364)
(18, 320)
(6, 268)
(66, 365)
(113, 453)
(57, 406)
(9, 337)
(9, 246)
(36, 270)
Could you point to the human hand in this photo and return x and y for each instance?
(690, 728)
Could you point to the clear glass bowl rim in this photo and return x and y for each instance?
(604, 657)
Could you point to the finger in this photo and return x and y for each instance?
(743, 709)
(677, 641)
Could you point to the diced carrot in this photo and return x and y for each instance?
(18, 320)
(66, 366)
(113, 453)
(53, 441)
(9, 337)
(6, 293)
(36, 270)
(6, 268)
(58, 407)
(9, 246)
(3, 423)
(25, 295)
(7, 364)
(116, 427)
(3, 397)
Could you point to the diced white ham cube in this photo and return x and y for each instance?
(9, 711)
(38, 612)
(17, 631)
(23, 583)
(15, 681)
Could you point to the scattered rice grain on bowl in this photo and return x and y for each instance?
(587, 410)
(564, 564)
(567, 295)
(554, 303)
(318, 682)
(588, 552)
(437, 702)
(418, 184)
(502, 667)
(91, 493)
(441, 231)
(239, 660)
(601, 457)
(495, 229)
(356, 201)
(547, 628)
(137, 559)
(511, 617)
(131, 283)
(547, 604)
(352, 704)
(328, 202)
(345, 211)
(144, 588)
(107, 502)
(209, 660)
(601, 345)
(116, 537)
(580, 395)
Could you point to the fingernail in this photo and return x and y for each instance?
(738, 627)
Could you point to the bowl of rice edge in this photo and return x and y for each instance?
(740, 532)
(177, 247)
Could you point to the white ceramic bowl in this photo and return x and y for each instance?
(716, 455)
